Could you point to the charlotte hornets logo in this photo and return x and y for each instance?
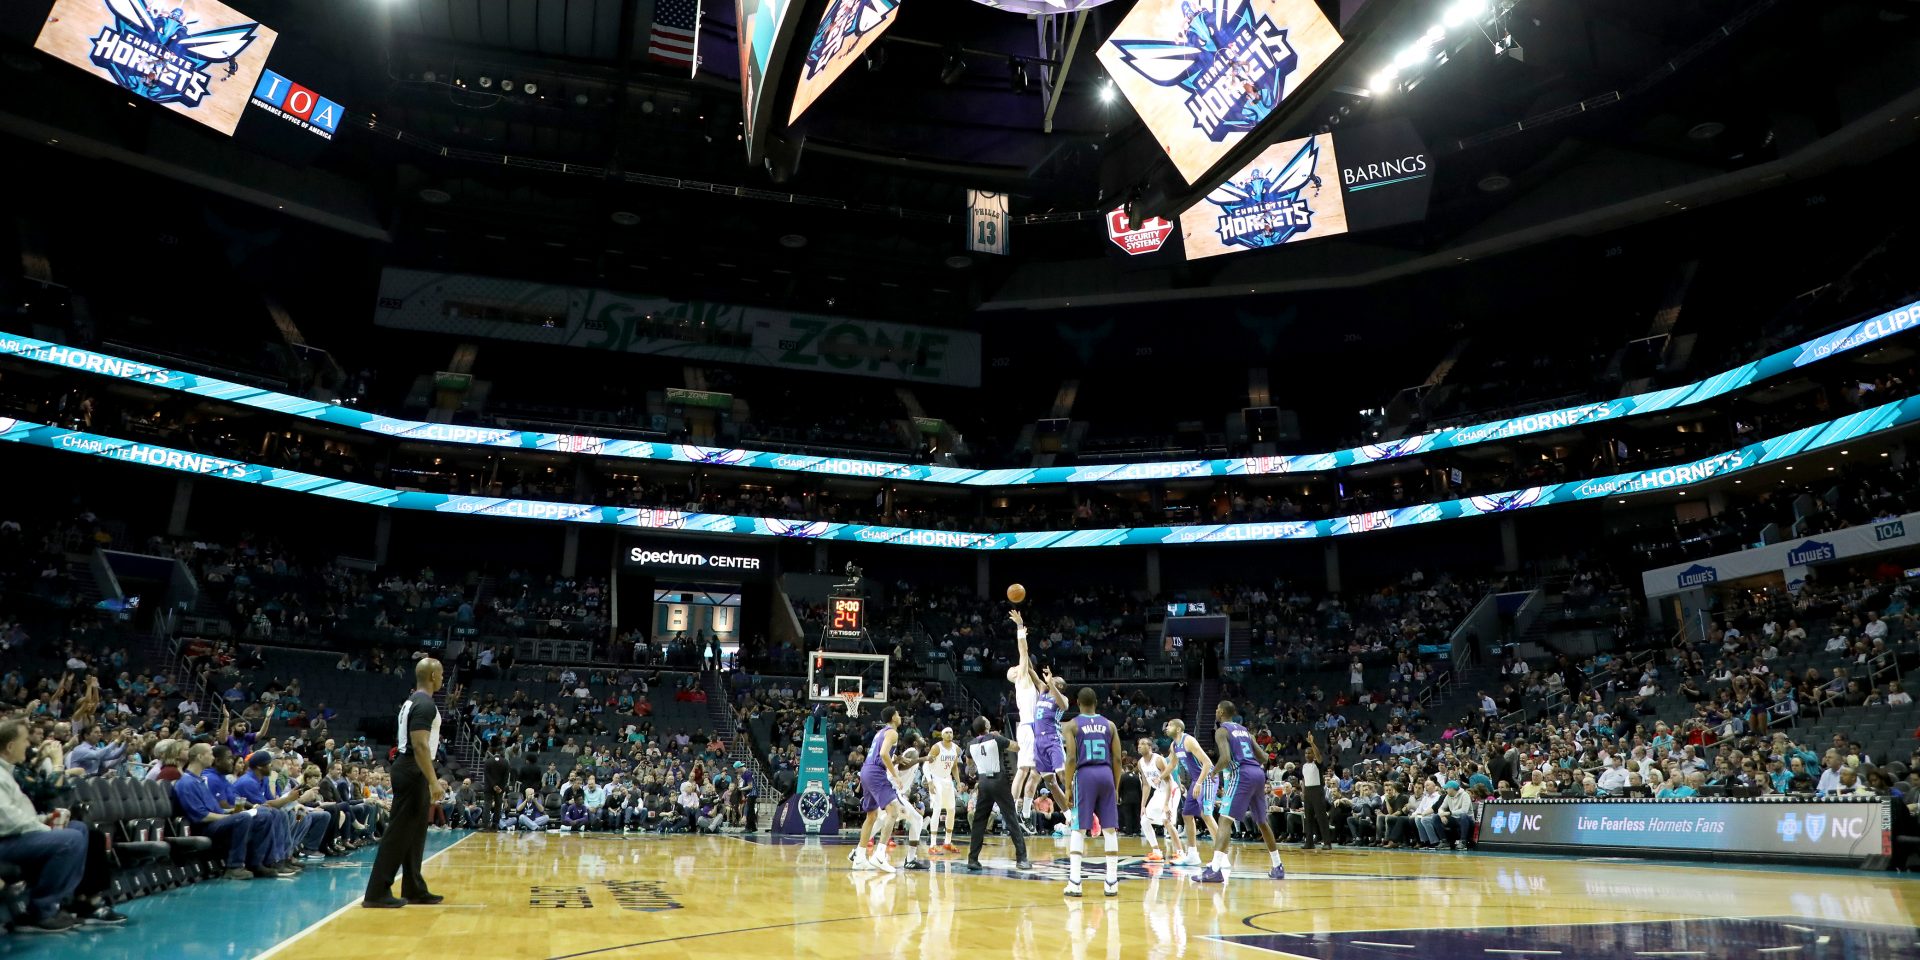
(1232, 65)
(157, 53)
(714, 455)
(845, 22)
(1511, 500)
(804, 530)
(1390, 449)
(1269, 207)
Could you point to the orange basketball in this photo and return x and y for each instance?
(1016, 593)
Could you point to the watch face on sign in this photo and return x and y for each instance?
(813, 803)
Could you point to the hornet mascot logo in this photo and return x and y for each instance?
(845, 22)
(1266, 209)
(157, 54)
(714, 455)
(1511, 500)
(802, 529)
(1232, 65)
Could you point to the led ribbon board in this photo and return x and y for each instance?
(1847, 338)
(1853, 427)
(846, 30)
(198, 58)
(1203, 74)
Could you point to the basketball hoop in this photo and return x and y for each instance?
(853, 702)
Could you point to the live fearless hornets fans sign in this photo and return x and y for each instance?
(1203, 74)
(198, 58)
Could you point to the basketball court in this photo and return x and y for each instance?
(549, 897)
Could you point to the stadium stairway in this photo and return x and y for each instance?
(739, 742)
(1206, 696)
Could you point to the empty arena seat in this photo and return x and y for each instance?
(111, 805)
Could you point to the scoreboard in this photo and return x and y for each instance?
(846, 617)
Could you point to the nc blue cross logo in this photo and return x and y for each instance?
(1499, 822)
(1789, 828)
(1816, 826)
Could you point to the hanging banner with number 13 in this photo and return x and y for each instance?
(987, 222)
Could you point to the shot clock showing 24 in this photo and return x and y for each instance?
(846, 617)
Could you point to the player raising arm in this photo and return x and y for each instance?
(1026, 695)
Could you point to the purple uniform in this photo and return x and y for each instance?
(1093, 785)
(876, 788)
(1049, 750)
(1243, 773)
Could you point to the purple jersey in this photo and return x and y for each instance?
(1046, 720)
(1092, 734)
(873, 763)
(1242, 748)
(1186, 766)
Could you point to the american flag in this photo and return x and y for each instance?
(676, 33)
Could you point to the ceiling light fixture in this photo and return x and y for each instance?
(953, 69)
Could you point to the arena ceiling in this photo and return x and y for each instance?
(622, 172)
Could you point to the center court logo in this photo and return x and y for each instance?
(1232, 65)
(1269, 207)
(157, 54)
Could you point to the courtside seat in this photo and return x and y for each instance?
(119, 804)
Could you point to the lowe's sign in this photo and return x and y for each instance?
(1697, 575)
(1789, 559)
(1813, 551)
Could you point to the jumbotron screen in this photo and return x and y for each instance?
(846, 30)
(1204, 75)
(198, 58)
(765, 28)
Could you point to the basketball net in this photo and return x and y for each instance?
(853, 703)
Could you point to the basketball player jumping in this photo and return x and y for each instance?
(938, 772)
(1243, 785)
(1026, 694)
(1049, 753)
(1190, 767)
(883, 803)
(1092, 743)
(1159, 805)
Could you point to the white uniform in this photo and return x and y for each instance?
(1153, 778)
(1026, 696)
(939, 773)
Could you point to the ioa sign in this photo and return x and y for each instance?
(1151, 236)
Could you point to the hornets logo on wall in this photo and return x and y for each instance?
(1232, 64)
(844, 23)
(1266, 208)
(163, 54)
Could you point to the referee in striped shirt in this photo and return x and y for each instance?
(416, 791)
